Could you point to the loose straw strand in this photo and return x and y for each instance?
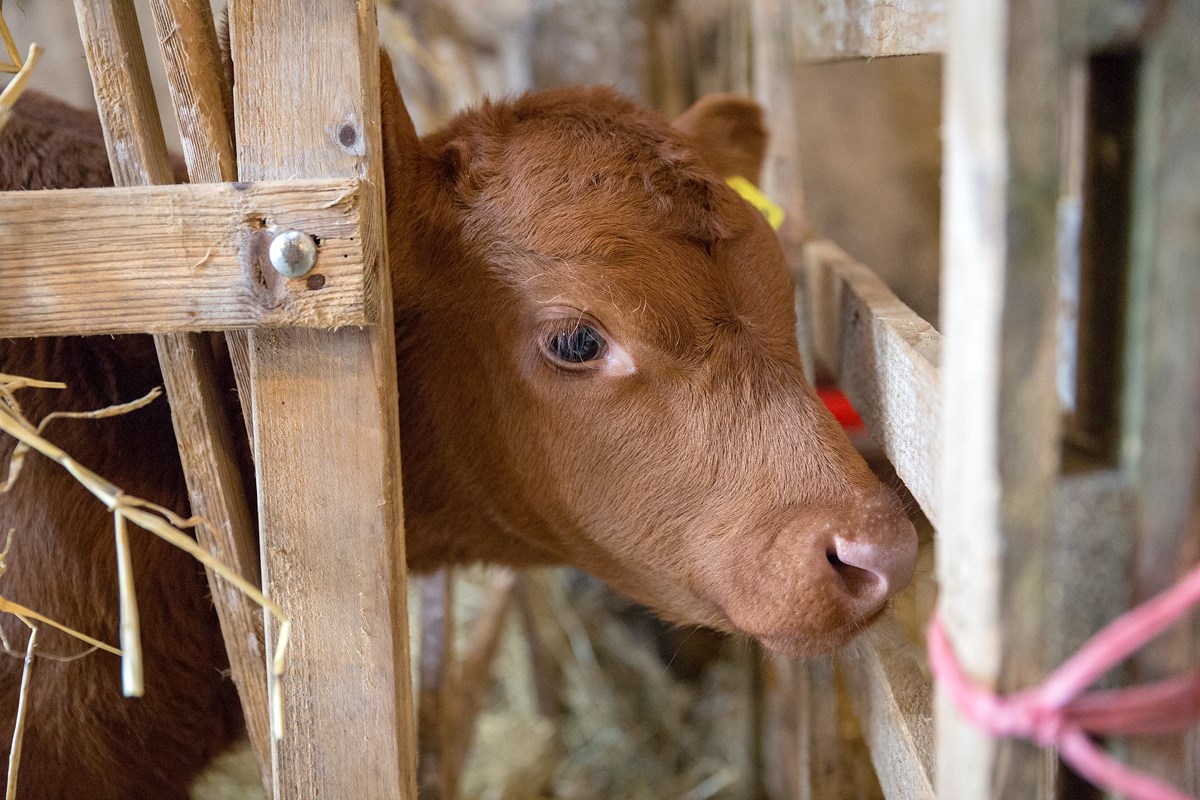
(132, 682)
(150, 517)
(14, 55)
(18, 738)
(23, 69)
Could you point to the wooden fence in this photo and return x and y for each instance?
(1051, 436)
(1071, 220)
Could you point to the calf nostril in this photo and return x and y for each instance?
(832, 557)
(860, 583)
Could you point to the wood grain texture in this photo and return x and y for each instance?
(203, 103)
(216, 491)
(218, 494)
(128, 112)
(893, 700)
(326, 427)
(178, 258)
(1000, 434)
(885, 358)
(187, 37)
(836, 29)
(215, 484)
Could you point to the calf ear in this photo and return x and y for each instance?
(728, 131)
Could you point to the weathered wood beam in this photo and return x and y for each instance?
(217, 493)
(893, 700)
(827, 30)
(885, 358)
(179, 258)
(203, 103)
(326, 417)
(1001, 437)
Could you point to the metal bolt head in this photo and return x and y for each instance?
(293, 253)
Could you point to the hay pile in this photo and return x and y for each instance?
(629, 727)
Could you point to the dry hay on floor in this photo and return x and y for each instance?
(629, 729)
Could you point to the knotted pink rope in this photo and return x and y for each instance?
(1059, 714)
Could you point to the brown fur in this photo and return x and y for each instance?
(709, 483)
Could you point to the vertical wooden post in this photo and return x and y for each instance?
(307, 104)
(138, 157)
(1000, 440)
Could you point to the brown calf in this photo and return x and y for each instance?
(596, 338)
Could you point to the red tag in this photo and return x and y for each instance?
(842, 411)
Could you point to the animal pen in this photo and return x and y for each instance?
(1049, 431)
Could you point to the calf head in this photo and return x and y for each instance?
(599, 366)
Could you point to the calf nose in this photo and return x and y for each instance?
(871, 572)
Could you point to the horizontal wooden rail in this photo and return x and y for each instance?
(892, 698)
(194, 258)
(885, 358)
(825, 30)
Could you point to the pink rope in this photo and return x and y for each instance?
(1058, 713)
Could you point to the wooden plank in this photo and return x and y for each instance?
(774, 68)
(187, 37)
(179, 258)
(1001, 442)
(203, 104)
(892, 698)
(128, 113)
(820, 773)
(1161, 443)
(218, 494)
(885, 358)
(326, 427)
(134, 137)
(837, 29)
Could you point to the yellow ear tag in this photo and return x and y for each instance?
(754, 197)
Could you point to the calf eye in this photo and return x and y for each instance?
(580, 344)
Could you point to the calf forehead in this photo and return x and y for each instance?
(591, 153)
(661, 290)
(585, 200)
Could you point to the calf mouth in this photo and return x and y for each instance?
(809, 645)
(796, 643)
